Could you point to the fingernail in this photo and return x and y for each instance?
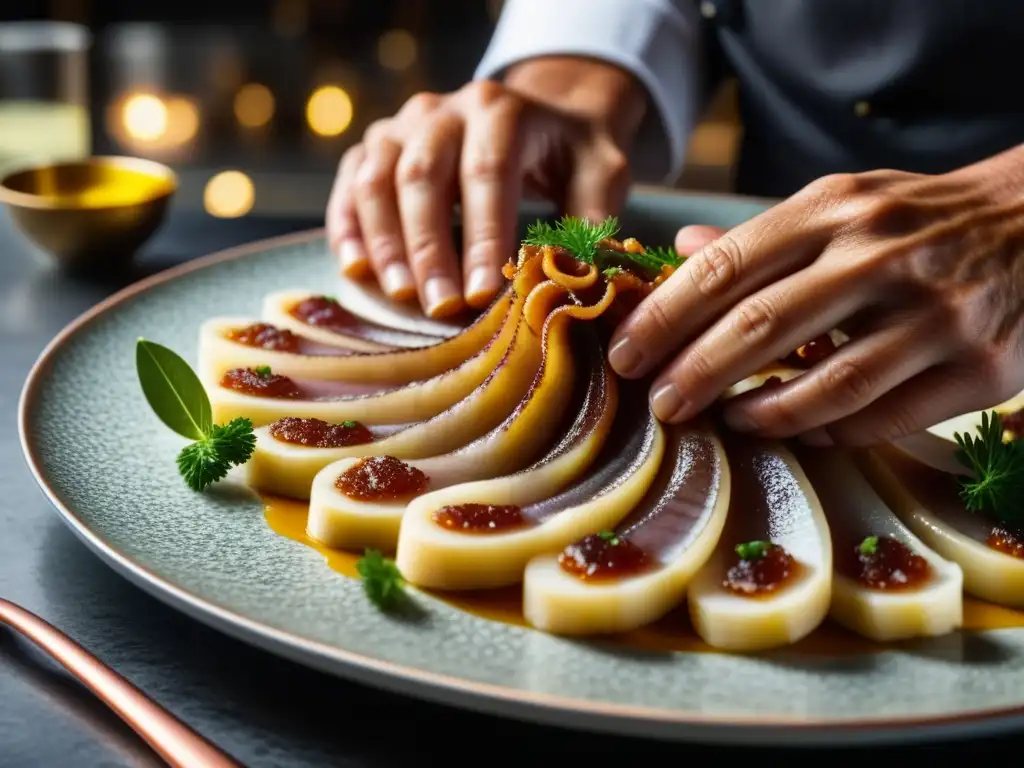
(352, 258)
(441, 296)
(667, 402)
(397, 282)
(818, 438)
(624, 357)
(739, 420)
(481, 287)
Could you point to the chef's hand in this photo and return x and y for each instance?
(924, 273)
(557, 128)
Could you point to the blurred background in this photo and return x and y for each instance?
(252, 103)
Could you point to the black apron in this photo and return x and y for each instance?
(829, 86)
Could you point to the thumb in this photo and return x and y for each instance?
(599, 182)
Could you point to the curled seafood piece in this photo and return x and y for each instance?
(223, 347)
(288, 469)
(372, 388)
(887, 585)
(342, 521)
(769, 581)
(326, 320)
(618, 580)
(990, 555)
(482, 534)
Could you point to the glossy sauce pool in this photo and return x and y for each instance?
(287, 518)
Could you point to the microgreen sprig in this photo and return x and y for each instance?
(997, 468)
(753, 550)
(868, 546)
(179, 400)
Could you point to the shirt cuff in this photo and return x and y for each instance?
(655, 40)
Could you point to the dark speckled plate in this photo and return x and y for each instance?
(213, 556)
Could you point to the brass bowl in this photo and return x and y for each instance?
(90, 214)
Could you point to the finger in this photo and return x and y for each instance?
(343, 235)
(845, 383)
(426, 176)
(715, 278)
(760, 330)
(935, 395)
(692, 238)
(599, 182)
(379, 220)
(490, 181)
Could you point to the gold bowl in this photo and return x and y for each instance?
(93, 213)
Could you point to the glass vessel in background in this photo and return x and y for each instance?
(44, 98)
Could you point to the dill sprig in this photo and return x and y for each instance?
(997, 485)
(584, 241)
(576, 235)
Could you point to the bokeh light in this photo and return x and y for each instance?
(397, 49)
(229, 194)
(329, 111)
(254, 105)
(144, 116)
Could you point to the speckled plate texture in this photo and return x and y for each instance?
(107, 465)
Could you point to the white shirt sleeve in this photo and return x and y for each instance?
(658, 41)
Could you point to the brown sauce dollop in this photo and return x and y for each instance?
(382, 478)
(260, 383)
(811, 353)
(759, 568)
(480, 518)
(604, 555)
(320, 434)
(323, 311)
(887, 564)
(265, 336)
(1007, 541)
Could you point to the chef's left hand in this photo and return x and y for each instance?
(924, 273)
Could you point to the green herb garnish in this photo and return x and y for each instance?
(262, 370)
(753, 550)
(578, 236)
(610, 537)
(869, 546)
(382, 581)
(178, 398)
(997, 486)
(583, 240)
(657, 257)
(348, 423)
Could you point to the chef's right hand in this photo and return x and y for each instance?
(557, 127)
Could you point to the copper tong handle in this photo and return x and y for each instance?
(175, 742)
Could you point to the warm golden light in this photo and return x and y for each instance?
(182, 121)
(254, 105)
(145, 117)
(397, 49)
(229, 194)
(329, 111)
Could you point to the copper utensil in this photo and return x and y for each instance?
(175, 742)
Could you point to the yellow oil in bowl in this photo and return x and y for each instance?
(95, 213)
